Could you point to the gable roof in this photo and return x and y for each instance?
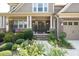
(64, 8)
(73, 8)
(17, 7)
(57, 8)
(25, 7)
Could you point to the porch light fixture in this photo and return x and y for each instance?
(47, 23)
(61, 24)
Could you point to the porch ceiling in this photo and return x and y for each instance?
(25, 14)
(69, 15)
(15, 17)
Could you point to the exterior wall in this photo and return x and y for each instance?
(27, 7)
(61, 25)
(73, 8)
(50, 7)
(57, 8)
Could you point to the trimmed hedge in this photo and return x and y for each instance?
(1, 36)
(8, 37)
(6, 53)
(28, 34)
(6, 46)
(19, 35)
(19, 41)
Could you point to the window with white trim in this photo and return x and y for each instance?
(40, 7)
(20, 24)
(34, 7)
(45, 7)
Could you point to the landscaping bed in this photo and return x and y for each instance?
(61, 41)
(24, 44)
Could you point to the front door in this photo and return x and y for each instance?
(40, 26)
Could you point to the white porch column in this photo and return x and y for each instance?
(51, 22)
(58, 27)
(30, 21)
(3, 22)
(7, 24)
(27, 21)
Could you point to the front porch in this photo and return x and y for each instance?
(39, 24)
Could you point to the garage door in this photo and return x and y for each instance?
(71, 27)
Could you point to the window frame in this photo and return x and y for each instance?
(75, 23)
(18, 23)
(70, 24)
(65, 23)
(33, 5)
(40, 5)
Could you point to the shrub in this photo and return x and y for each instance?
(19, 41)
(64, 43)
(8, 37)
(57, 52)
(53, 37)
(28, 34)
(6, 53)
(6, 46)
(1, 36)
(14, 47)
(62, 35)
(19, 35)
(25, 43)
(31, 50)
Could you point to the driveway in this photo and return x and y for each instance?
(73, 52)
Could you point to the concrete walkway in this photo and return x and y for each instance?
(74, 52)
(71, 52)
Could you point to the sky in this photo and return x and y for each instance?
(4, 7)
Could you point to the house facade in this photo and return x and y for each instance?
(41, 17)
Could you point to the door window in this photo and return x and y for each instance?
(65, 23)
(69, 23)
(75, 23)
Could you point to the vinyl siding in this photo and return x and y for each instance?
(57, 8)
(73, 8)
(27, 7)
(50, 8)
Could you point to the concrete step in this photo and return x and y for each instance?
(41, 36)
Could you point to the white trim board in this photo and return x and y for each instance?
(64, 8)
(17, 7)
